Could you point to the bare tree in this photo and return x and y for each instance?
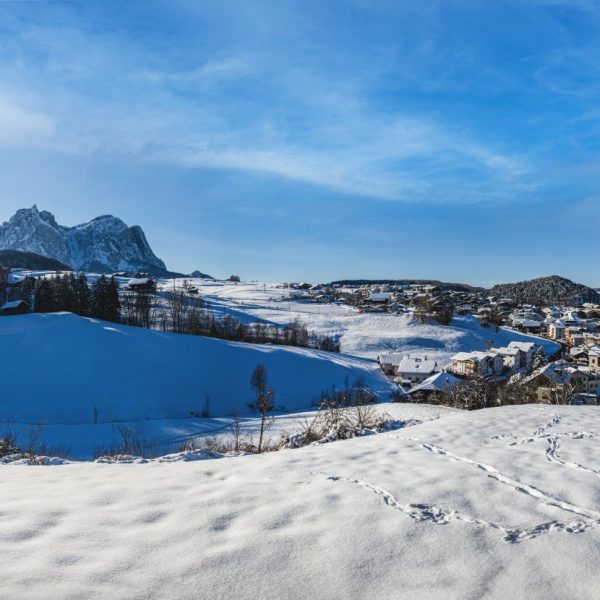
(236, 430)
(264, 399)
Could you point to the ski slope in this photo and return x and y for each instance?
(498, 503)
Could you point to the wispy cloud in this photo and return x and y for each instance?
(294, 104)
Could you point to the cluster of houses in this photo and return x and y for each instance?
(388, 298)
(572, 380)
(411, 370)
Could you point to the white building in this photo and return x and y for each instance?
(407, 369)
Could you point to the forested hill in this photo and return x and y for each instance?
(18, 259)
(547, 290)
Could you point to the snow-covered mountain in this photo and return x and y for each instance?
(104, 244)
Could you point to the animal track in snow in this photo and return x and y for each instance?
(553, 439)
(552, 456)
(433, 514)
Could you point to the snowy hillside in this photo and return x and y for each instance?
(60, 368)
(498, 503)
(361, 334)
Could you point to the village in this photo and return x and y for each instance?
(569, 375)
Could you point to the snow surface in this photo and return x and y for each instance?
(498, 503)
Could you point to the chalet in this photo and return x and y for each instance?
(15, 307)
(528, 349)
(142, 284)
(556, 330)
(415, 369)
(389, 362)
(594, 358)
(528, 325)
(512, 358)
(408, 370)
(379, 298)
(580, 355)
(552, 382)
(440, 383)
(473, 364)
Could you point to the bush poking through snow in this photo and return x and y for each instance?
(129, 442)
(333, 423)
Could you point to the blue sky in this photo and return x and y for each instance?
(279, 139)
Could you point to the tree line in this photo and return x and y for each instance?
(178, 313)
(71, 293)
(175, 312)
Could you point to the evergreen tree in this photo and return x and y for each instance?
(113, 303)
(45, 300)
(82, 295)
(99, 294)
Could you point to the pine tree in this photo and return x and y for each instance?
(113, 303)
(44, 299)
(82, 295)
(99, 293)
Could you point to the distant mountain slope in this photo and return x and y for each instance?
(18, 259)
(547, 290)
(105, 244)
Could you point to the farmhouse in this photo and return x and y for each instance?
(15, 307)
(142, 284)
(408, 370)
(440, 383)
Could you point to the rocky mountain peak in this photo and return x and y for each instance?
(103, 244)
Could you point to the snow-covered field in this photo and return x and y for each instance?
(497, 503)
(70, 372)
(361, 334)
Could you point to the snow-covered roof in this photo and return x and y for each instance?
(560, 372)
(380, 296)
(139, 281)
(12, 304)
(411, 364)
(506, 351)
(523, 346)
(440, 382)
(526, 322)
(393, 358)
(475, 356)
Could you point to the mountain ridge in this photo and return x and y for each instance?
(104, 244)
